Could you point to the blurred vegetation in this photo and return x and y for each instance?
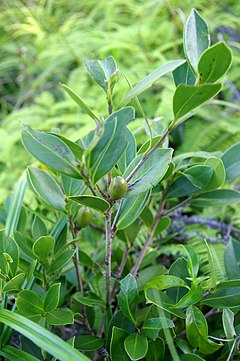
(45, 42)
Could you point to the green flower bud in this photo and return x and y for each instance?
(118, 188)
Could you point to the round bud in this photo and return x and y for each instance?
(118, 188)
(84, 217)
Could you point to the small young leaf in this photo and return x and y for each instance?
(214, 63)
(43, 247)
(45, 186)
(192, 261)
(128, 296)
(94, 202)
(136, 346)
(52, 297)
(196, 38)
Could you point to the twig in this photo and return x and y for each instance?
(119, 272)
(108, 256)
(170, 210)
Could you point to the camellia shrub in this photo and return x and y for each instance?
(83, 276)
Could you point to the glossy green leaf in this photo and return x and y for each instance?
(43, 247)
(88, 343)
(179, 269)
(89, 299)
(60, 261)
(181, 187)
(184, 75)
(213, 275)
(146, 274)
(197, 331)
(73, 146)
(192, 261)
(52, 297)
(79, 101)
(120, 321)
(156, 350)
(117, 350)
(38, 228)
(228, 284)
(13, 353)
(15, 283)
(163, 225)
(150, 79)
(225, 298)
(193, 296)
(188, 97)
(111, 145)
(24, 243)
(131, 209)
(199, 175)
(191, 357)
(102, 71)
(128, 296)
(136, 346)
(232, 259)
(164, 282)
(29, 301)
(41, 337)
(60, 316)
(162, 300)
(219, 173)
(228, 323)
(45, 187)
(129, 153)
(152, 326)
(93, 202)
(217, 198)
(151, 172)
(51, 151)
(214, 63)
(231, 161)
(196, 38)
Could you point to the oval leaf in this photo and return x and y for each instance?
(136, 346)
(91, 201)
(43, 247)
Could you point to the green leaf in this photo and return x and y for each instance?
(150, 79)
(60, 316)
(232, 259)
(60, 261)
(213, 279)
(38, 228)
(146, 274)
(15, 283)
(128, 296)
(225, 298)
(231, 161)
(52, 297)
(41, 337)
(217, 198)
(29, 302)
(43, 247)
(24, 243)
(79, 101)
(111, 145)
(45, 186)
(15, 206)
(118, 320)
(191, 357)
(117, 350)
(219, 173)
(179, 269)
(103, 71)
(193, 296)
(89, 299)
(92, 201)
(12, 353)
(188, 97)
(181, 187)
(151, 172)
(73, 146)
(131, 209)
(163, 225)
(136, 346)
(161, 300)
(196, 38)
(197, 331)
(214, 63)
(184, 75)
(228, 284)
(129, 153)
(199, 175)
(164, 282)
(88, 343)
(152, 326)
(228, 323)
(51, 151)
(192, 261)
(156, 350)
